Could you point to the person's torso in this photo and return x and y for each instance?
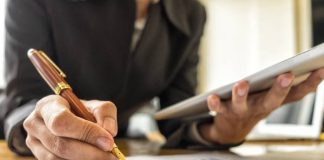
(92, 41)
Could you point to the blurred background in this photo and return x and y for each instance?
(2, 13)
(244, 36)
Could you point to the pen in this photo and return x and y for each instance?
(55, 78)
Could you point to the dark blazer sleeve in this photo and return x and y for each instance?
(183, 87)
(184, 84)
(179, 133)
(27, 26)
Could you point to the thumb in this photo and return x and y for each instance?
(63, 123)
(105, 113)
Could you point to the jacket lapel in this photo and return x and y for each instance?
(175, 10)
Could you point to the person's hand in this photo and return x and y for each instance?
(235, 118)
(54, 132)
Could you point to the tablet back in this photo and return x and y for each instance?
(300, 65)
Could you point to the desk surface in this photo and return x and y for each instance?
(279, 150)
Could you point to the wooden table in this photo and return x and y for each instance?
(279, 150)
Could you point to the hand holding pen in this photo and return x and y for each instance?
(55, 129)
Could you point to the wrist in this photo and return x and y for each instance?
(226, 131)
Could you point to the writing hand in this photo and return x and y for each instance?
(54, 132)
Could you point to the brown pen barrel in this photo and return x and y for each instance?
(53, 78)
(80, 111)
(49, 74)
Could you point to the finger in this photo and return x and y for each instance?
(63, 123)
(105, 113)
(214, 104)
(65, 147)
(276, 95)
(39, 151)
(239, 96)
(309, 85)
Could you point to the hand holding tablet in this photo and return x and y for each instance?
(300, 66)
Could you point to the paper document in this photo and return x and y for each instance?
(200, 156)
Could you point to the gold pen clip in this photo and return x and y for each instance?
(55, 66)
(34, 51)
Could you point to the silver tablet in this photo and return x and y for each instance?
(300, 65)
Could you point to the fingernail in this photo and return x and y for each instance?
(241, 92)
(104, 143)
(285, 82)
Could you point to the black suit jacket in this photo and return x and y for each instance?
(90, 40)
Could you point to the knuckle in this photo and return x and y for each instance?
(28, 124)
(59, 101)
(298, 97)
(41, 103)
(87, 131)
(239, 102)
(109, 105)
(238, 117)
(279, 93)
(59, 146)
(240, 110)
(58, 122)
(46, 100)
(105, 108)
(261, 113)
(28, 141)
(309, 87)
(266, 105)
(50, 99)
(101, 108)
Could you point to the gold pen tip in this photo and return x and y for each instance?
(31, 52)
(118, 153)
